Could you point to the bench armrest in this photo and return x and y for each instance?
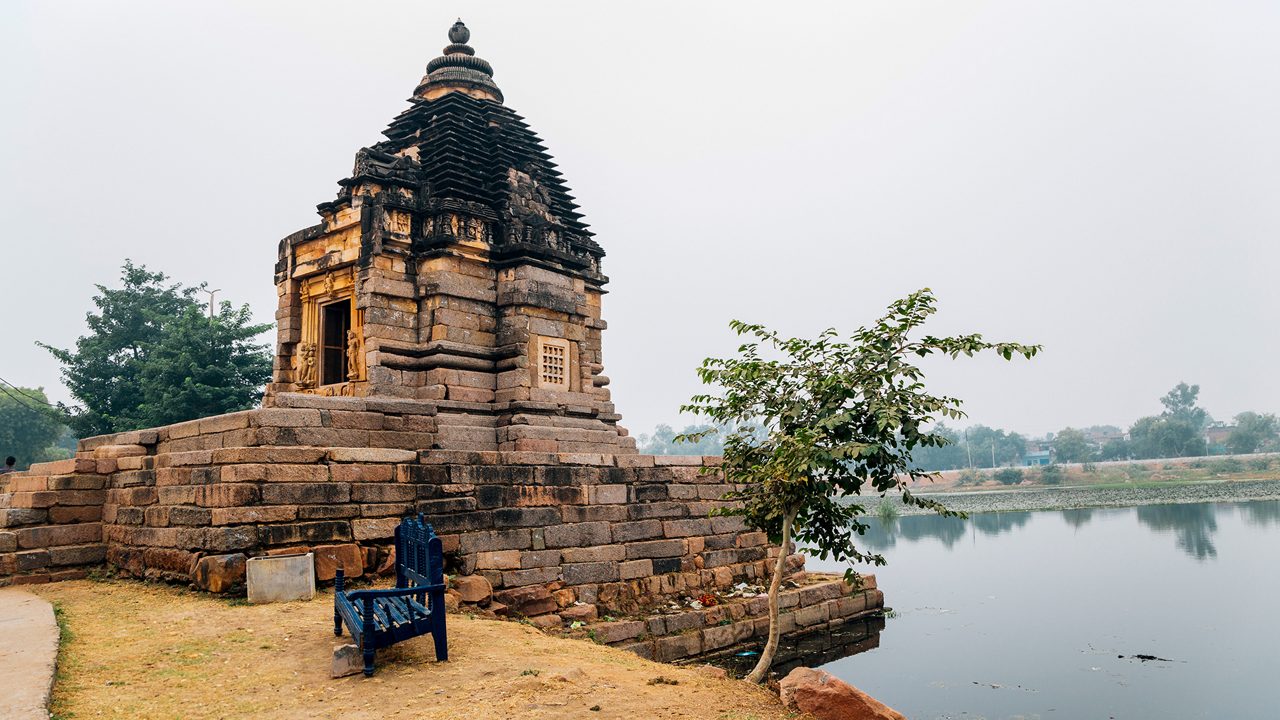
(355, 595)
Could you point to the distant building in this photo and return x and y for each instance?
(1038, 452)
(1215, 438)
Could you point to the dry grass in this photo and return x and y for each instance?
(148, 651)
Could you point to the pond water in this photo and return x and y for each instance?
(1040, 614)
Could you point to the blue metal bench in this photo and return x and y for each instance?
(380, 618)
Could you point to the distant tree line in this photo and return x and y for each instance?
(1179, 431)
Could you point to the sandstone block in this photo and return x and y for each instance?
(499, 560)
(526, 516)
(592, 572)
(656, 549)
(472, 588)
(539, 558)
(44, 537)
(347, 660)
(577, 535)
(287, 417)
(579, 613)
(826, 697)
(363, 473)
(306, 532)
(118, 451)
(304, 493)
(224, 495)
(89, 554)
(36, 500)
(633, 569)
(607, 494)
(251, 515)
(219, 573)
(598, 553)
(613, 632)
(519, 578)
(639, 530)
(674, 647)
(328, 558)
(374, 528)
(382, 493)
(372, 455)
(17, 517)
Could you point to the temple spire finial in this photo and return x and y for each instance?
(459, 70)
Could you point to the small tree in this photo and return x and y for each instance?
(829, 417)
(153, 357)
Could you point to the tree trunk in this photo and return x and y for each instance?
(775, 584)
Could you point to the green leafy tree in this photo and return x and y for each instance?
(1254, 432)
(1071, 446)
(30, 428)
(835, 417)
(1180, 404)
(153, 357)
(1158, 437)
(203, 366)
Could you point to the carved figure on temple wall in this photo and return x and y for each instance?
(354, 351)
(305, 366)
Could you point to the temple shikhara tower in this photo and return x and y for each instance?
(439, 352)
(454, 267)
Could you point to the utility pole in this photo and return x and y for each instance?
(211, 293)
(967, 448)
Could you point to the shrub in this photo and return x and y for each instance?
(1051, 474)
(1136, 471)
(1089, 467)
(1226, 466)
(886, 512)
(969, 477)
(1008, 476)
(1259, 463)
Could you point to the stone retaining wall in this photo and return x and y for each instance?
(560, 538)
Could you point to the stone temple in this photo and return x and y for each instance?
(439, 352)
(454, 268)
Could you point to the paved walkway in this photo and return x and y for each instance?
(28, 652)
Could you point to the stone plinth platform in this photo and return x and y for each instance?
(191, 502)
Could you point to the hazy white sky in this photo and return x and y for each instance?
(1098, 177)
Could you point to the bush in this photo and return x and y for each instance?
(1008, 476)
(969, 477)
(1226, 466)
(1259, 463)
(1136, 471)
(1089, 467)
(886, 512)
(1051, 474)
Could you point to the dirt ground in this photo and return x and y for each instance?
(150, 651)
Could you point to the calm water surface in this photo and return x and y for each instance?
(1025, 614)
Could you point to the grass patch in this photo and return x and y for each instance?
(61, 665)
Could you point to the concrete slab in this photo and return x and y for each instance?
(28, 654)
(280, 578)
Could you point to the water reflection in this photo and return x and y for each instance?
(1077, 517)
(811, 650)
(948, 530)
(1261, 514)
(1192, 524)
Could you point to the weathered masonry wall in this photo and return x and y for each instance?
(557, 537)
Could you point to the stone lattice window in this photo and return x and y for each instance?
(553, 363)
